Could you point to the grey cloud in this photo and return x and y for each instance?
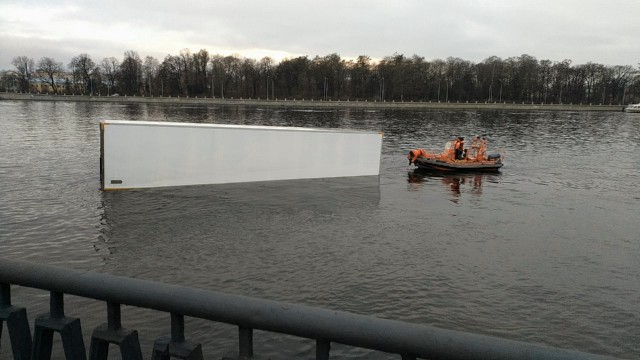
(582, 31)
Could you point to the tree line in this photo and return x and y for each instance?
(393, 78)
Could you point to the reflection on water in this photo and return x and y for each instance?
(252, 239)
(457, 183)
(212, 215)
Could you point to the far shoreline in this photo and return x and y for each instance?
(316, 103)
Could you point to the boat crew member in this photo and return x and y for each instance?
(414, 154)
(475, 147)
(482, 150)
(458, 146)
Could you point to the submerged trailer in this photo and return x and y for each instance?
(143, 154)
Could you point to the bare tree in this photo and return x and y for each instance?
(226, 71)
(248, 77)
(561, 74)
(131, 73)
(150, 70)
(361, 76)
(96, 80)
(200, 61)
(187, 67)
(24, 71)
(436, 75)
(51, 70)
(82, 66)
(217, 74)
(171, 76)
(266, 71)
(545, 78)
(393, 78)
(110, 69)
(622, 76)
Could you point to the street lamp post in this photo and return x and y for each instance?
(326, 89)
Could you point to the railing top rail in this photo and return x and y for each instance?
(298, 320)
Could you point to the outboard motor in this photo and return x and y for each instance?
(493, 157)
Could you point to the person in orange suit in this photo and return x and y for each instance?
(414, 154)
(459, 148)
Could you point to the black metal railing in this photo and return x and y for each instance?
(410, 341)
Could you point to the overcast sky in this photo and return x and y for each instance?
(605, 32)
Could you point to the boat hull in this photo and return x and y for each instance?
(635, 108)
(458, 166)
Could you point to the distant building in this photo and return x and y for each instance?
(8, 81)
(42, 85)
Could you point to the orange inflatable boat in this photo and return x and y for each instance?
(455, 158)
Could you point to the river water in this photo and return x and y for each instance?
(547, 251)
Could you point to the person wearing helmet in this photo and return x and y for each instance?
(459, 148)
(414, 154)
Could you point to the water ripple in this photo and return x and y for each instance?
(545, 252)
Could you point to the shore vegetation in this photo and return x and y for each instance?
(395, 78)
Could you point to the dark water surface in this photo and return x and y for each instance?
(547, 251)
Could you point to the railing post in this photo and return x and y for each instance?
(323, 348)
(113, 333)
(5, 295)
(177, 328)
(55, 321)
(17, 325)
(245, 335)
(114, 317)
(175, 345)
(56, 305)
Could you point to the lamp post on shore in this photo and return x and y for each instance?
(325, 89)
